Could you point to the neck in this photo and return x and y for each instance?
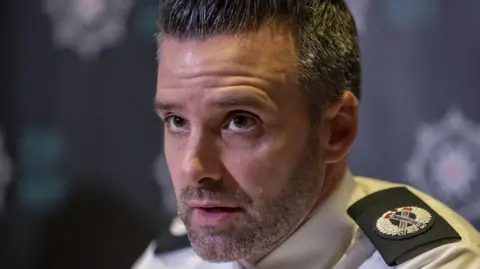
(334, 174)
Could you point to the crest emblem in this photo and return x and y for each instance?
(88, 26)
(404, 222)
(445, 163)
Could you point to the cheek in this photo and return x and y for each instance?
(260, 173)
(266, 170)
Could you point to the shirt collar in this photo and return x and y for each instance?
(322, 240)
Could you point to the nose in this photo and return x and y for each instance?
(202, 161)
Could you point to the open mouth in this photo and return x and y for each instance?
(221, 209)
(216, 215)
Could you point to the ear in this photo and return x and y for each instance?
(341, 127)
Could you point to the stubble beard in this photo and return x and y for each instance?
(267, 223)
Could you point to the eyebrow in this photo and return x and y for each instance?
(239, 101)
(163, 106)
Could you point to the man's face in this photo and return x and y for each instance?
(245, 161)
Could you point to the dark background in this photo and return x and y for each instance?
(83, 138)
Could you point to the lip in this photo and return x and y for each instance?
(223, 218)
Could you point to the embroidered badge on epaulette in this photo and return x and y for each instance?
(400, 225)
(404, 222)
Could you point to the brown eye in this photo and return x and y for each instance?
(176, 124)
(241, 123)
(177, 121)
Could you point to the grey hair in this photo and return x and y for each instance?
(324, 30)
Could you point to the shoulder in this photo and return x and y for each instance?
(448, 256)
(470, 235)
(406, 225)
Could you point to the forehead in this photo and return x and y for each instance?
(266, 53)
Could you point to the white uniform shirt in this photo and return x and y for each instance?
(331, 239)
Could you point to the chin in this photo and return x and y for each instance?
(218, 250)
(215, 257)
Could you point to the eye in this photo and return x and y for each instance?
(241, 123)
(176, 124)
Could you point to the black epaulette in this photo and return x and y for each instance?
(400, 225)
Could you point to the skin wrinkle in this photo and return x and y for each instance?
(279, 173)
